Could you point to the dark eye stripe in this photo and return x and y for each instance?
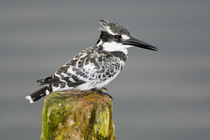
(118, 37)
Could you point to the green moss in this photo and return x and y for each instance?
(54, 112)
(69, 115)
(101, 126)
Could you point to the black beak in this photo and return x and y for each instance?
(135, 42)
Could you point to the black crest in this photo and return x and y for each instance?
(115, 28)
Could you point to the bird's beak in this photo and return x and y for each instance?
(137, 43)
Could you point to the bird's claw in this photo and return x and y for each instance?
(103, 91)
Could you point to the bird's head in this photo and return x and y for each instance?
(115, 37)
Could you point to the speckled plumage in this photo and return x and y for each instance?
(94, 67)
(91, 68)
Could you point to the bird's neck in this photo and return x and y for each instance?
(112, 47)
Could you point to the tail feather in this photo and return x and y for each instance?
(38, 94)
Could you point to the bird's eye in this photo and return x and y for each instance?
(118, 37)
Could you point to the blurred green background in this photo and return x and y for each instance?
(162, 95)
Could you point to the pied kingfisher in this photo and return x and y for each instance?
(94, 67)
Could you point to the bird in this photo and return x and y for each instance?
(94, 67)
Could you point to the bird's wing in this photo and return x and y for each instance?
(87, 67)
(59, 74)
(48, 80)
(84, 67)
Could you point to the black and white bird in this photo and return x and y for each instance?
(96, 66)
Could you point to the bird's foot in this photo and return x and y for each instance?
(102, 91)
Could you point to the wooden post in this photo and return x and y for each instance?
(77, 115)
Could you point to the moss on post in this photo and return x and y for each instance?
(77, 115)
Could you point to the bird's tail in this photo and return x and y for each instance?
(39, 94)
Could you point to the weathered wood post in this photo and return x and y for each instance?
(77, 115)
